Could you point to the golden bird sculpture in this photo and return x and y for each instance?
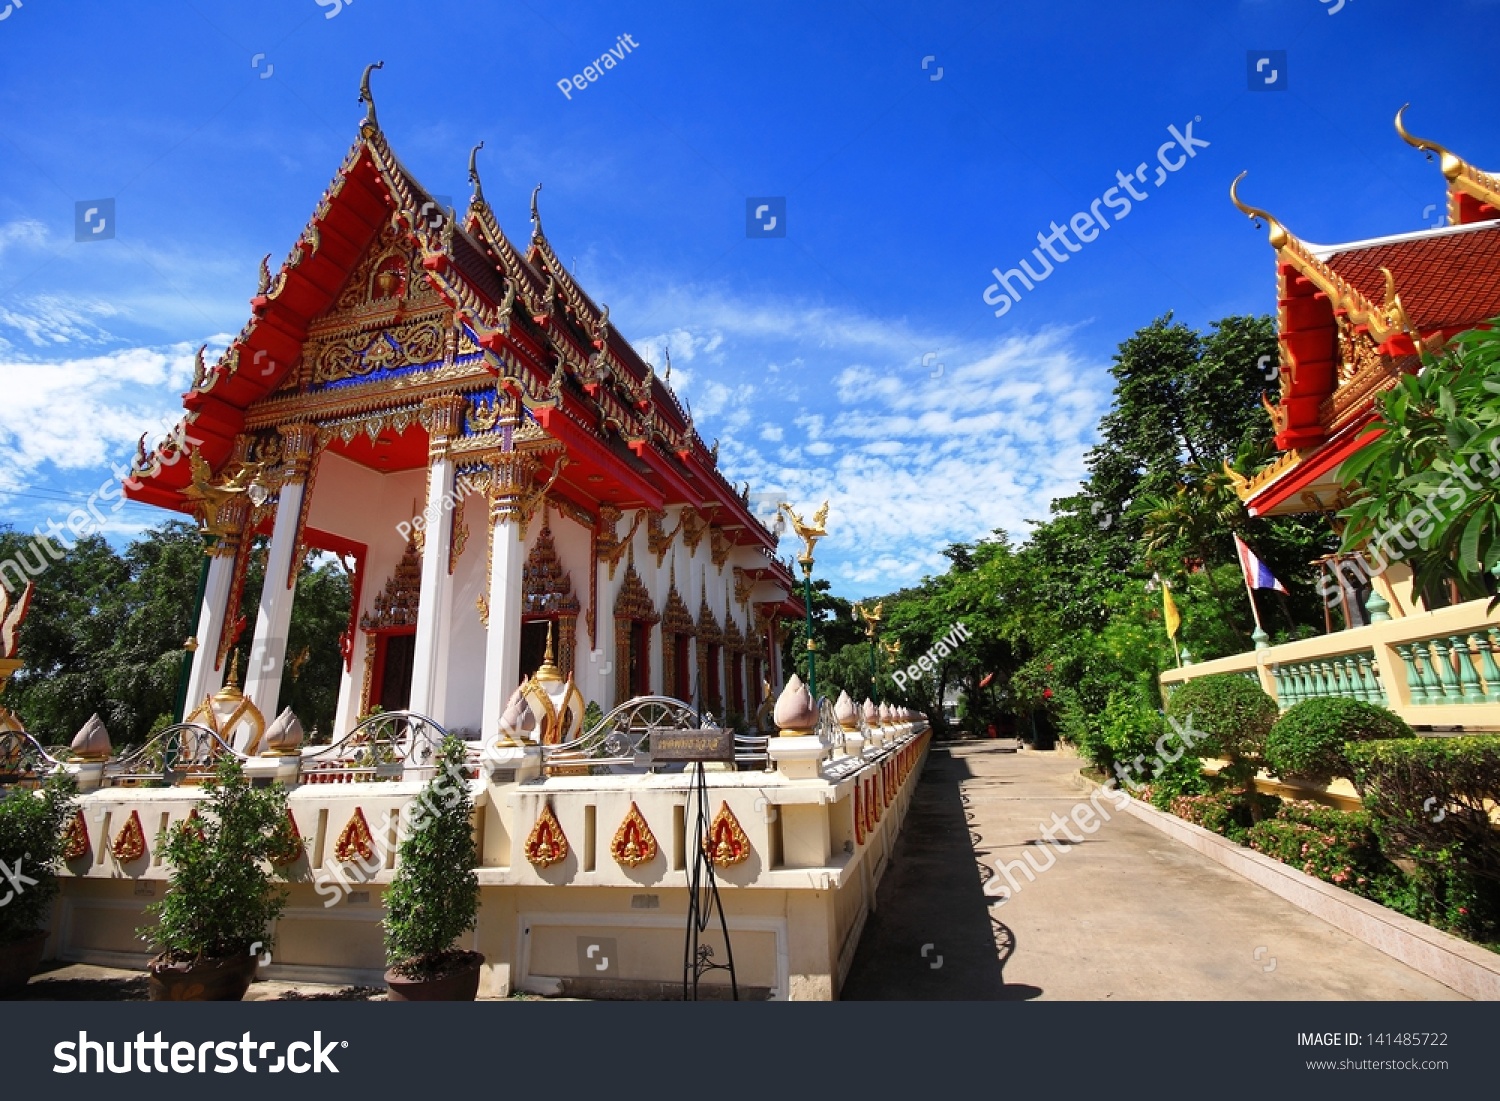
(808, 533)
(12, 612)
(210, 500)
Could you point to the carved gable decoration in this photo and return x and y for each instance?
(734, 641)
(677, 620)
(546, 844)
(634, 602)
(726, 843)
(547, 587)
(396, 605)
(709, 632)
(387, 316)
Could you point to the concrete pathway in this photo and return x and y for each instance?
(1126, 913)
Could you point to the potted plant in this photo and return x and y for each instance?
(31, 845)
(434, 896)
(220, 898)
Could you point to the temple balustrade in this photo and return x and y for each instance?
(1434, 668)
(803, 825)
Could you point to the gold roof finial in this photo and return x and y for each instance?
(477, 202)
(369, 127)
(549, 670)
(1394, 310)
(536, 216)
(1451, 165)
(1279, 236)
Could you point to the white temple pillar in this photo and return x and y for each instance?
(435, 604)
(509, 484)
(267, 659)
(207, 676)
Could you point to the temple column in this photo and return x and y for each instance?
(510, 484)
(428, 697)
(207, 676)
(278, 591)
(773, 636)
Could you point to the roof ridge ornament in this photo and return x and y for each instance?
(1279, 235)
(263, 283)
(1393, 309)
(370, 126)
(1450, 164)
(476, 201)
(536, 217)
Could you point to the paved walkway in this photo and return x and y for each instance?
(1126, 914)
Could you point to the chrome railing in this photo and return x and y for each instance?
(381, 747)
(620, 740)
(23, 760)
(184, 753)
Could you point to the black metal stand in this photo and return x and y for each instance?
(703, 898)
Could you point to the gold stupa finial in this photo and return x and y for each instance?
(231, 689)
(1450, 164)
(1279, 236)
(549, 670)
(369, 127)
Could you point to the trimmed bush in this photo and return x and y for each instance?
(221, 897)
(31, 841)
(1336, 846)
(1429, 801)
(1230, 813)
(1307, 743)
(434, 895)
(1234, 711)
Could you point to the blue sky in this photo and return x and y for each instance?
(855, 358)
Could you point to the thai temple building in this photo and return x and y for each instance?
(532, 524)
(1352, 319)
(458, 421)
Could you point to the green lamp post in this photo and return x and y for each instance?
(809, 534)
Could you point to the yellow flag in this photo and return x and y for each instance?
(1169, 611)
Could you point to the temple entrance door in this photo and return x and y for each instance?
(394, 659)
(640, 664)
(533, 646)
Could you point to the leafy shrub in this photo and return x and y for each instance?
(1429, 801)
(1307, 743)
(434, 896)
(1234, 711)
(31, 827)
(593, 715)
(1338, 847)
(1183, 776)
(1229, 813)
(220, 896)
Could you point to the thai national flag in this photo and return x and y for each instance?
(1257, 574)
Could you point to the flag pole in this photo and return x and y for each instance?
(1259, 637)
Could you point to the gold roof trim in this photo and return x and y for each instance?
(1249, 487)
(1383, 320)
(1460, 174)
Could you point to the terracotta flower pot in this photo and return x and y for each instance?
(18, 962)
(460, 983)
(224, 979)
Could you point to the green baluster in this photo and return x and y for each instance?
(1304, 682)
(1332, 683)
(1449, 678)
(1280, 683)
(1352, 688)
(1416, 683)
(1468, 679)
(1369, 679)
(1486, 644)
(1378, 607)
